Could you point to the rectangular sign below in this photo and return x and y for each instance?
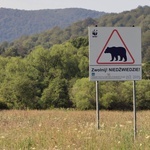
(108, 73)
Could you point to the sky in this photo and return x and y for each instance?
(109, 6)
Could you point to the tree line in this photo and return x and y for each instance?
(57, 77)
(25, 44)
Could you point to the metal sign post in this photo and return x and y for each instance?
(97, 105)
(115, 55)
(134, 109)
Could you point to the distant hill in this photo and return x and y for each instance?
(137, 17)
(14, 23)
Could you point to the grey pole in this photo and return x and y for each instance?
(134, 109)
(97, 105)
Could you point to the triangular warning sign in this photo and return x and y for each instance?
(112, 54)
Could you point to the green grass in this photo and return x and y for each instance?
(73, 130)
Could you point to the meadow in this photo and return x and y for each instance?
(73, 130)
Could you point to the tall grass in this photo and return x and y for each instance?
(73, 130)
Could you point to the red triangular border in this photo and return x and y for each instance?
(124, 46)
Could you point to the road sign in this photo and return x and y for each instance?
(115, 53)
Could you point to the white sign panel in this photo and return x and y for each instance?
(115, 53)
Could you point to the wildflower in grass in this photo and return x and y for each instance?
(121, 125)
(58, 129)
(147, 136)
(82, 132)
(92, 124)
(2, 137)
(55, 148)
(102, 125)
(40, 125)
(129, 122)
(65, 119)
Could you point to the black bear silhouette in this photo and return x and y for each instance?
(115, 52)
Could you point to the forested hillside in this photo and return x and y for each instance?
(50, 70)
(15, 23)
(138, 17)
